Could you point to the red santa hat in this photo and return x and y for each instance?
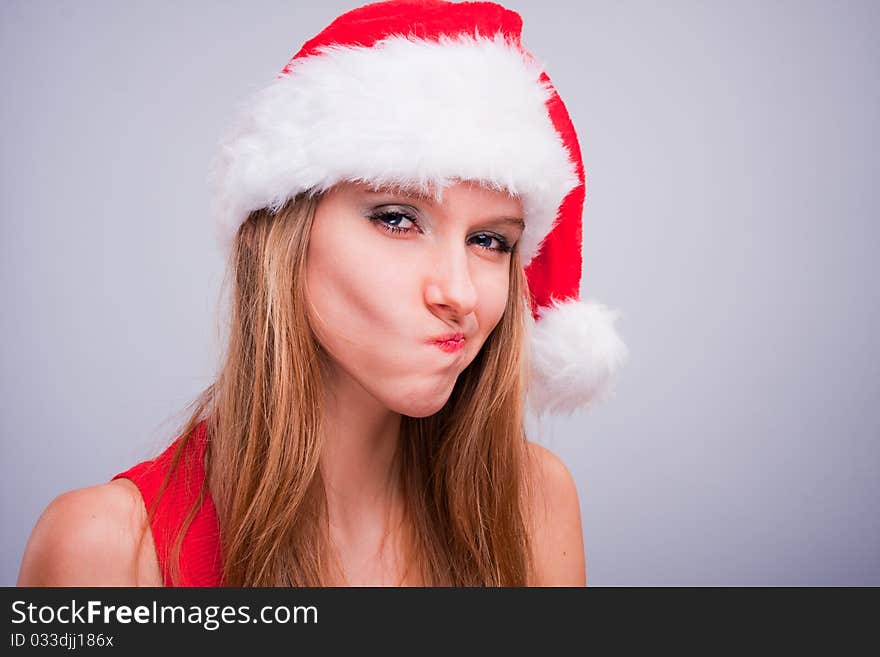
(418, 94)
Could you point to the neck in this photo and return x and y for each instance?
(357, 460)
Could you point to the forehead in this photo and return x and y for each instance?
(452, 193)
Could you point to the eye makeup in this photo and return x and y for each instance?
(403, 219)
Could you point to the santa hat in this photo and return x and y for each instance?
(419, 94)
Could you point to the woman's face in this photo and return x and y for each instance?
(388, 274)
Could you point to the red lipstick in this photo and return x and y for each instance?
(449, 343)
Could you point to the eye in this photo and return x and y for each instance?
(400, 219)
(393, 220)
(486, 240)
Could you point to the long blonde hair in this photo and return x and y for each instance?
(463, 470)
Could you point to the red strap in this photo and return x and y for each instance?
(200, 558)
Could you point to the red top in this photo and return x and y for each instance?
(200, 560)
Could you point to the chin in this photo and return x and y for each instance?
(423, 403)
(421, 408)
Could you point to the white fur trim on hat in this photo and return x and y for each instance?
(575, 352)
(405, 112)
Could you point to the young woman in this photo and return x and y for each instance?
(402, 210)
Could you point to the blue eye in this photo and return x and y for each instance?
(390, 220)
(503, 246)
(395, 221)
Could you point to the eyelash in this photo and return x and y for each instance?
(378, 217)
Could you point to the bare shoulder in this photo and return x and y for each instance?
(92, 537)
(555, 519)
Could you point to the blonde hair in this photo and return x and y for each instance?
(462, 470)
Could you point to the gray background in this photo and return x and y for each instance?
(731, 154)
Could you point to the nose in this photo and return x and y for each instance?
(449, 289)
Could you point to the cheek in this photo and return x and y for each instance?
(493, 290)
(355, 295)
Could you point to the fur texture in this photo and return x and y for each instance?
(475, 110)
(575, 353)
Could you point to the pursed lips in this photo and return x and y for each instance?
(450, 342)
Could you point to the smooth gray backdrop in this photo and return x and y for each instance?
(732, 171)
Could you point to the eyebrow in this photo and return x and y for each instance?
(415, 195)
(411, 194)
(513, 221)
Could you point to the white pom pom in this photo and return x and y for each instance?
(575, 353)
